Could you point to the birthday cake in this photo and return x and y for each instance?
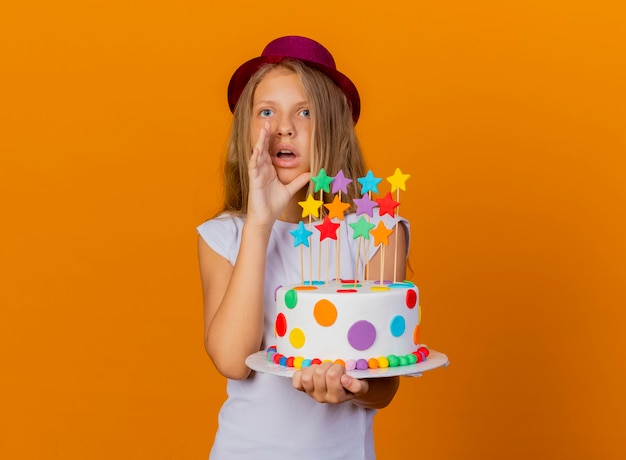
(359, 324)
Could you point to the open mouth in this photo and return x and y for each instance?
(285, 155)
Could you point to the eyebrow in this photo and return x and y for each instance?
(270, 102)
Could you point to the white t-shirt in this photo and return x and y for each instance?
(264, 417)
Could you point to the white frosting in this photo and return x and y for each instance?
(354, 325)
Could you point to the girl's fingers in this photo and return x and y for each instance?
(262, 141)
(260, 158)
(253, 158)
(260, 153)
(266, 137)
(298, 183)
(320, 385)
(354, 386)
(324, 383)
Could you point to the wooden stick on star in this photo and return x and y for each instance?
(361, 229)
(310, 207)
(369, 183)
(301, 237)
(397, 181)
(322, 184)
(339, 185)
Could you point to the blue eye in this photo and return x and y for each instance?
(266, 113)
(306, 113)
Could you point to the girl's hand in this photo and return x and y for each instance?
(329, 383)
(267, 195)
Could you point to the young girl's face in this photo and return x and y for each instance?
(280, 100)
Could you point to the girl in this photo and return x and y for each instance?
(293, 113)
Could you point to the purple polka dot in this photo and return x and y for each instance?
(361, 335)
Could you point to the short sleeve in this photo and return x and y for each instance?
(223, 235)
(391, 223)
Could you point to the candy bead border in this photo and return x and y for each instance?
(299, 362)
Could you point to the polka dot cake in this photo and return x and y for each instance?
(361, 325)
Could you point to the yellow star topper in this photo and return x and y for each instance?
(310, 207)
(398, 180)
(336, 208)
(381, 234)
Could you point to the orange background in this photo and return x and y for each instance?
(508, 115)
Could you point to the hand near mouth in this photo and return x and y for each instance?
(267, 195)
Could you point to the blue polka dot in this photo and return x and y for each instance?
(398, 326)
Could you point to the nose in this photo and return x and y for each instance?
(285, 127)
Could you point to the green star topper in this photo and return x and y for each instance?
(322, 181)
(362, 228)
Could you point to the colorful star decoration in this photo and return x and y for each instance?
(301, 235)
(330, 214)
(381, 234)
(387, 205)
(365, 205)
(398, 180)
(362, 228)
(310, 207)
(369, 183)
(340, 183)
(322, 181)
(328, 229)
(336, 208)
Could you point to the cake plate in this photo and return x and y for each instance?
(258, 362)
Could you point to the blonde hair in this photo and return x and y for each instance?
(334, 143)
